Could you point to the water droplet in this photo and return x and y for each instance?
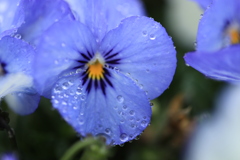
(123, 137)
(141, 86)
(124, 107)
(56, 62)
(64, 103)
(79, 91)
(132, 113)
(18, 36)
(143, 123)
(116, 69)
(55, 101)
(79, 70)
(147, 70)
(144, 33)
(131, 119)
(75, 107)
(83, 98)
(120, 99)
(75, 97)
(137, 138)
(108, 131)
(151, 104)
(70, 82)
(65, 95)
(133, 126)
(152, 36)
(57, 89)
(65, 85)
(81, 121)
(131, 136)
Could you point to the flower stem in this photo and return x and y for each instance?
(77, 147)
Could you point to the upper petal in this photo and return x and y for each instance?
(40, 15)
(212, 27)
(11, 16)
(59, 49)
(145, 51)
(101, 16)
(17, 55)
(220, 65)
(119, 115)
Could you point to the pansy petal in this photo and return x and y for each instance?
(102, 16)
(143, 50)
(59, 49)
(40, 15)
(15, 82)
(212, 36)
(220, 65)
(16, 54)
(11, 16)
(119, 115)
(23, 103)
(204, 4)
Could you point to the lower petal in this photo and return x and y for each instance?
(119, 115)
(23, 103)
(220, 65)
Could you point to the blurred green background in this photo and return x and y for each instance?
(44, 135)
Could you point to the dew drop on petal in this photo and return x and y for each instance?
(144, 33)
(124, 107)
(123, 137)
(79, 91)
(143, 123)
(83, 98)
(132, 113)
(120, 99)
(75, 107)
(152, 37)
(18, 36)
(65, 85)
(108, 131)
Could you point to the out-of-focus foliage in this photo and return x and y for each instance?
(44, 135)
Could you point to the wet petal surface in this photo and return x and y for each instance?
(120, 115)
(145, 53)
(220, 65)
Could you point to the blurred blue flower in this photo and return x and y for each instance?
(102, 84)
(218, 48)
(25, 20)
(8, 156)
(217, 138)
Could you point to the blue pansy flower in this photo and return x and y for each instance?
(218, 48)
(16, 58)
(8, 156)
(102, 83)
(26, 20)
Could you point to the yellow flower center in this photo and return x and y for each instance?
(234, 35)
(95, 70)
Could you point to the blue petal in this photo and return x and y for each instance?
(220, 65)
(204, 4)
(23, 103)
(15, 82)
(17, 55)
(120, 115)
(11, 16)
(102, 16)
(212, 27)
(146, 52)
(40, 15)
(59, 49)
